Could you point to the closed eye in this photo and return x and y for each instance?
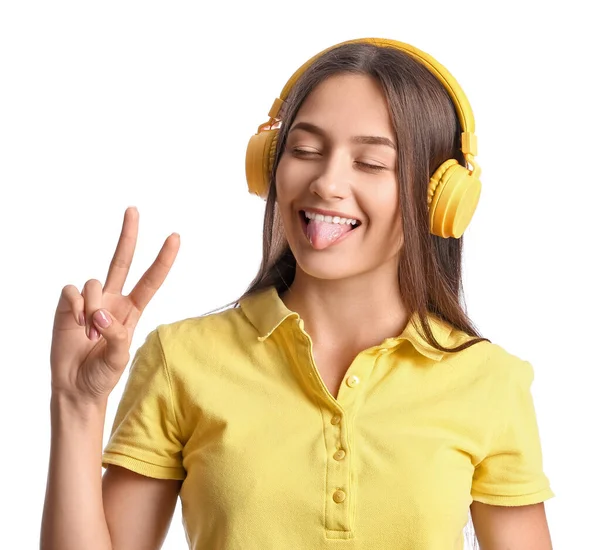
(304, 153)
(374, 167)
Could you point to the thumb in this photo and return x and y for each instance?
(116, 354)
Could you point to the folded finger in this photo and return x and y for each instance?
(71, 301)
(92, 296)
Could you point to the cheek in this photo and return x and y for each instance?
(390, 231)
(287, 179)
(387, 225)
(382, 206)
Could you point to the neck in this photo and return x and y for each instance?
(356, 312)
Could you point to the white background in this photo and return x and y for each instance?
(106, 105)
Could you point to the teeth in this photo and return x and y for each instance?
(330, 219)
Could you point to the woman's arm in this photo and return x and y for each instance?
(82, 510)
(73, 516)
(138, 509)
(514, 527)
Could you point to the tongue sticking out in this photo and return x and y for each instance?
(323, 234)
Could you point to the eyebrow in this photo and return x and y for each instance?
(368, 140)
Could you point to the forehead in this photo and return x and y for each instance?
(348, 102)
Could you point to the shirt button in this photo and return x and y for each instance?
(353, 381)
(339, 496)
(339, 455)
(336, 419)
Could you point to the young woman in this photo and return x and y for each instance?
(346, 401)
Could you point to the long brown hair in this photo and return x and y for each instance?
(428, 133)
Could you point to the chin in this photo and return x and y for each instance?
(328, 270)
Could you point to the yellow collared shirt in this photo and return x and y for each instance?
(233, 404)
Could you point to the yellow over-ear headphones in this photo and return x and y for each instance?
(453, 191)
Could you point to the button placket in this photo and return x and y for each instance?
(340, 501)
(338, 498)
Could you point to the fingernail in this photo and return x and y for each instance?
(101, 319)
(94, 334)
(82, 319)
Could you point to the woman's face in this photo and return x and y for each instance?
(340, 157)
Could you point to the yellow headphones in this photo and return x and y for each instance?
(453, 191)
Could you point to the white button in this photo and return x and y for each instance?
(353, 381)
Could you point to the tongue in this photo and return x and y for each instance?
(323, 234)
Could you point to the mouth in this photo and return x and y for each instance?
(304, 219)
(329, 231)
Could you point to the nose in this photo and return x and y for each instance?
(334, 180)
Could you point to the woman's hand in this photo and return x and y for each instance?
(93, 329)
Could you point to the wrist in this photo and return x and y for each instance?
(81, 407)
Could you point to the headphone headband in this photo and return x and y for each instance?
(461, 103)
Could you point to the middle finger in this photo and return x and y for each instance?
(121, 261)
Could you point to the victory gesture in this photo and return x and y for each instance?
(93, 329)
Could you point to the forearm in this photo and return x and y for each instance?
(73, 516)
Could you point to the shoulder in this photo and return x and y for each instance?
(501, 359)
(490, 360)
(202, 323)
(508, 367)
(206, 333)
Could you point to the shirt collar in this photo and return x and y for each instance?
(266, 311)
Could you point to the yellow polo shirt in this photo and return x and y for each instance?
(233, 404)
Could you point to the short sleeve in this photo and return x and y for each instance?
(145, 437)
(512, 474)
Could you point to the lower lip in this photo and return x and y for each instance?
(305, 227)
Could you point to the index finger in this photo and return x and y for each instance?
(156, 274)
(123, 256)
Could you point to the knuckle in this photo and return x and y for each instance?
(117, 261)
(77, 302)
(68, 289)
(92, 283)
(71, 294)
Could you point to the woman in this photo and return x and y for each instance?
(346, 401)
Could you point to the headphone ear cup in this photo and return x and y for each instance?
(260, 155)
(453, 194)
